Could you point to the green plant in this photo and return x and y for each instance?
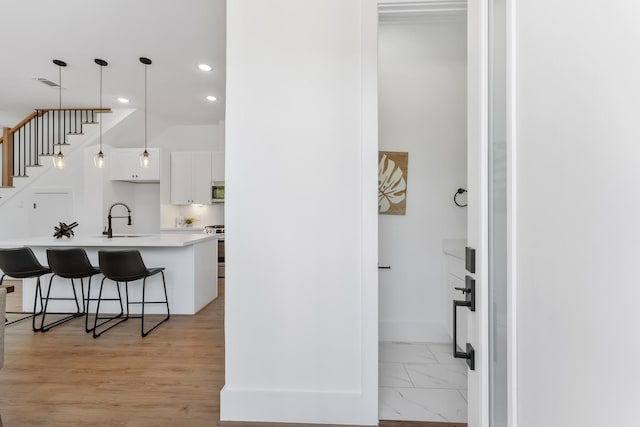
(189, 220)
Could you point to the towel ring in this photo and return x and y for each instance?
(455, 197)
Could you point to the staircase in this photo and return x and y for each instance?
(38, 136)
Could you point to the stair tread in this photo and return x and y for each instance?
(7, 186)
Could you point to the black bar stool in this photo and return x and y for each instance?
(70, 263)
(21, 263)
(127, 266)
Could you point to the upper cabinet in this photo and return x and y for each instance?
(217, 173)
(125, 165)
(191, 178)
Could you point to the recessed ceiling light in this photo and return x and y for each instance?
(211, 98)
(205, 67)
(123, 100)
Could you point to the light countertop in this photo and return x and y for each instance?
(184, 229)
(454, 247)
(129, 240)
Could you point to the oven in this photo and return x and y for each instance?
(217, 192)
(219, 230)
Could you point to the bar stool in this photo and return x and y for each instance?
(70, 263)
(127, 266)
(21, 263)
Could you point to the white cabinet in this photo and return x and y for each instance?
(125, 165)
(190, 178)
(217, 172)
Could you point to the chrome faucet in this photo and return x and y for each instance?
(109, 231)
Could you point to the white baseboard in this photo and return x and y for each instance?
(413, 332)
(295, 406)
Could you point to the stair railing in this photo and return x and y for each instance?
(38, 135)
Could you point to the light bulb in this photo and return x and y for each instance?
(58, 161)
(98, 160)
(145, 159)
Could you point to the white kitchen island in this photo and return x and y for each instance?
(190, 262)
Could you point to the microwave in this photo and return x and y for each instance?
(217, 192)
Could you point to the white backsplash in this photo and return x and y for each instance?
(204, 214)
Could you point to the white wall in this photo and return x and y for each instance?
(577, 212)
(422, 110)
(301, 165)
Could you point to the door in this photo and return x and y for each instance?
(48, 209)
(488, 208)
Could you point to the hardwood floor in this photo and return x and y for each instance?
(171, 378)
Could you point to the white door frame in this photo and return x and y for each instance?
(478, 28)
(478, 198)
(512, 318)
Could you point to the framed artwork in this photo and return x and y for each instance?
(392, 182)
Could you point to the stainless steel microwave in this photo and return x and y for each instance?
(217, 192)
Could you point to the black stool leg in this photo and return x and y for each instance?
(108, 319)
(38, 292)
(86, 316)
(166, 301)
(32, 314)
(45, 328)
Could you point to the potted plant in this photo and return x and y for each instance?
(188, 221)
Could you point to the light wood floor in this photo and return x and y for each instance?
(173, 377)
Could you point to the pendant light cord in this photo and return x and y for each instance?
(60, 105)
(100, 108)
(145, 107)
(60, 87)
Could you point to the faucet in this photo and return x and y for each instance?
(109, 232)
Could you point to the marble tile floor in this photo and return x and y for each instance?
(421, 382)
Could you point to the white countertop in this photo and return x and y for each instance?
(130, 240)
(184, 229)
(454, 247)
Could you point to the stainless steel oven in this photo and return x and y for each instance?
(217, 192)
(219, 230)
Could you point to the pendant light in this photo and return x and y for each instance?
(145, 158)
(98, 159)
(58, 159)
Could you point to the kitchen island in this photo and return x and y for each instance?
(190, 262)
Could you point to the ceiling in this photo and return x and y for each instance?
(175, 35)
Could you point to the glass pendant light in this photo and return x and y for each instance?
(98, 159)
(58, 159)
(145, 157)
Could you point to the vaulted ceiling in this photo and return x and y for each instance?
(175, 35)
